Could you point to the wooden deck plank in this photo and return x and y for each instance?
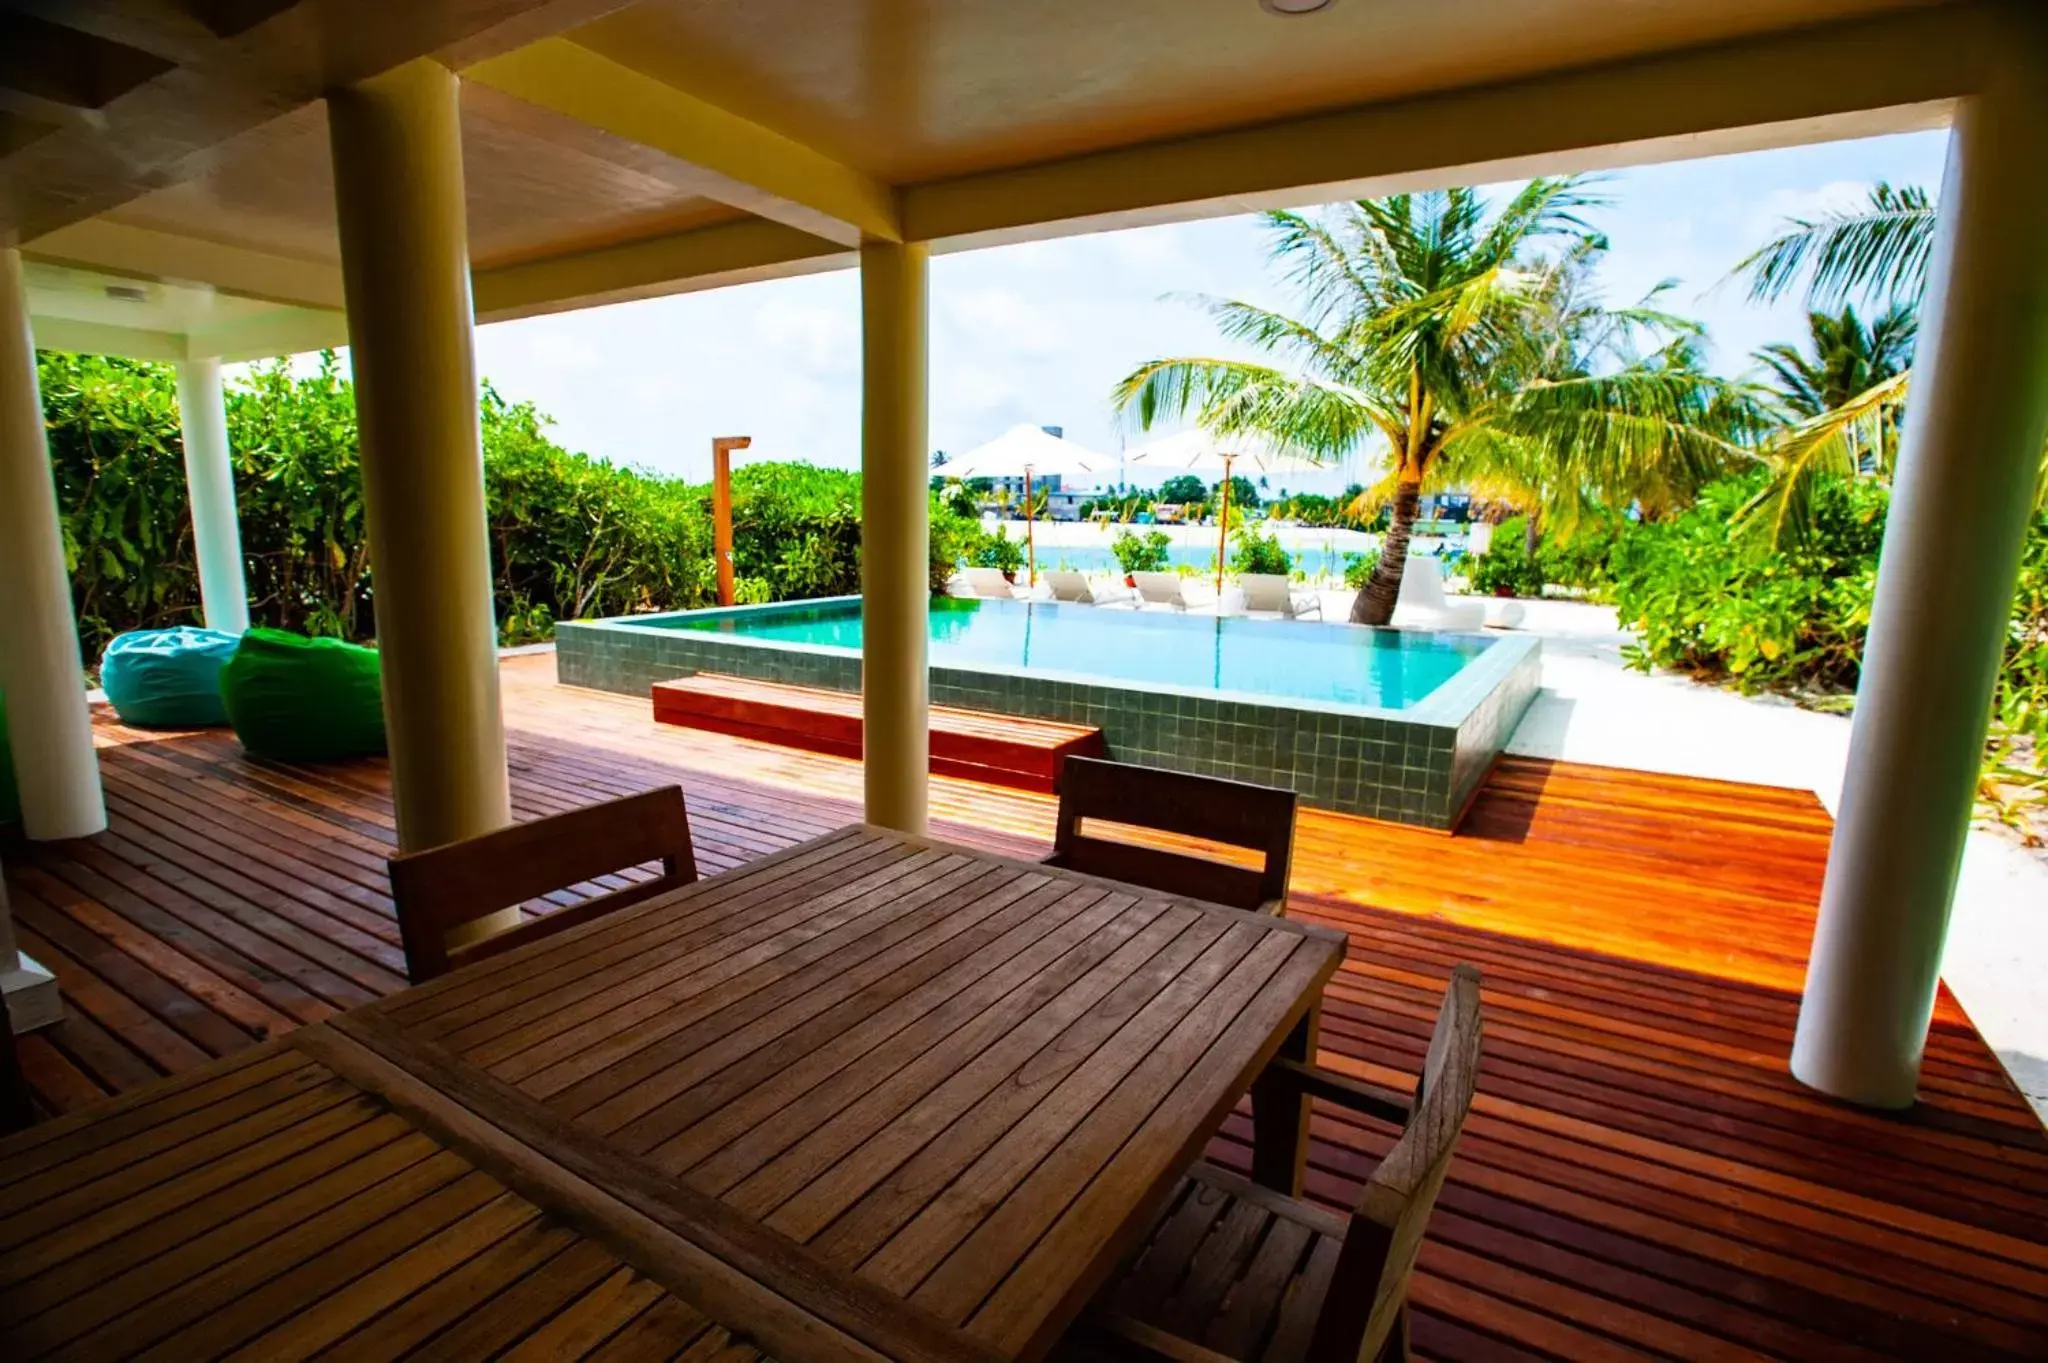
(1641, 1174)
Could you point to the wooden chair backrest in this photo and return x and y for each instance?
(1368, 1293)
(445, 888)
(1234, 813)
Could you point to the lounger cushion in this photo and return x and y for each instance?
(167, 678)
(304, 700)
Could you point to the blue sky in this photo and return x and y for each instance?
(1039, 332)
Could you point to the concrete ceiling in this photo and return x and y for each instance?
(615, 151)
(916, 90)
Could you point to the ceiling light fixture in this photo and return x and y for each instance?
(1288, 8)
(127, 293)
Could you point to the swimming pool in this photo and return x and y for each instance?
(1397, 724)
(1385, 669)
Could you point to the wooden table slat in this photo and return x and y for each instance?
(797, 1081)
(872, 1097)
(797, 1189)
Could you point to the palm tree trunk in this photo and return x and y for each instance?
(1374, 604)
(1532, 534)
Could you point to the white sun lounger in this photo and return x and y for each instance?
(989, 582)
(1422, 604)
(1271, 594)
(1161, 589)
(1070, 586)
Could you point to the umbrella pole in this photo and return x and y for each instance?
(1223, 533)
(1030, 536)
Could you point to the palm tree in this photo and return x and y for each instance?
(1438, 335)
(1847, 359)
(1878, 252)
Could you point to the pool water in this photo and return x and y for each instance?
(1385, 669)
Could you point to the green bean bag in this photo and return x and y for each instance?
(167, 678)
(303, 700)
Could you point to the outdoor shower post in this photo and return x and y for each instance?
(722, 447)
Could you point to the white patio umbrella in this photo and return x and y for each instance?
(1026, 451)
(1201, 451)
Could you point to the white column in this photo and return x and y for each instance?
(397, 144)
(210, 484)
(1960, 506)
(41, 673)
(895, 536)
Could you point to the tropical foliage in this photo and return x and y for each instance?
(1252, 552)
(1716, 604)
(570, 535)
(1460, 345)
(1145, 553)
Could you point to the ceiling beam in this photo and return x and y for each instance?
(1879, 75)
(145, 253)
(679, 262)
(703, 258)
(99, 338)
(229, 79)
(740, 162)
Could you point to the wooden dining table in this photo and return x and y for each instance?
(872, 1097)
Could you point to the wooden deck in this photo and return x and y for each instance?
(1640, 1177)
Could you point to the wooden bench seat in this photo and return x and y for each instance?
(1003, 750)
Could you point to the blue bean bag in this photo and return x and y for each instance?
(295, 699)
(167, 678)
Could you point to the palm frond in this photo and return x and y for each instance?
(1612, 436)
(1878, 251)
(1824, 446)
(1315, 419)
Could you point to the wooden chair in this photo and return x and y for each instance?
(1234, 1271)
(1233, 813)
(446, 887)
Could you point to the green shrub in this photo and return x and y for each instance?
(1256, 553)
(1506, 564)
(1579, 559)
(1141, 554)
(2021, 704)
(1358, 569)
(571, 536)
(997, 551)
(1709, 598)
(954, 535)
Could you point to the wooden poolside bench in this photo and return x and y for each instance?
(1003, 750)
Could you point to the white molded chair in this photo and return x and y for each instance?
(1271, 594)
(1422, 604)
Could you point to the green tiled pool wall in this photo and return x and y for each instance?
(1484, 731)
(607, 658)
(1418, 767)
